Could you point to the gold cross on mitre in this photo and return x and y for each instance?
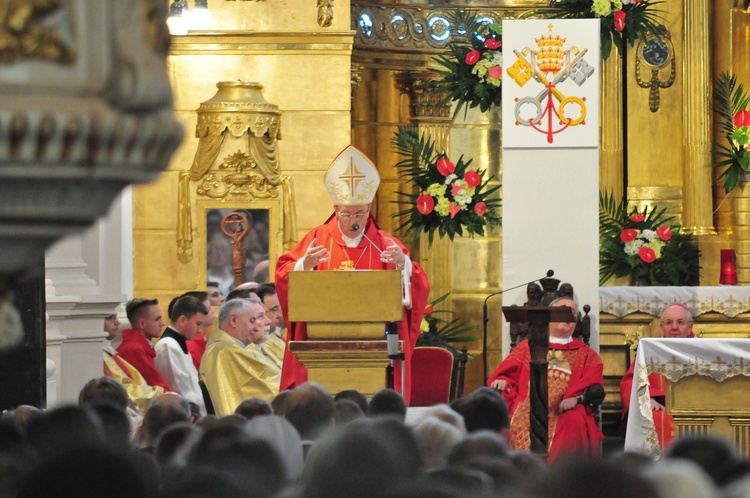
(352, 178)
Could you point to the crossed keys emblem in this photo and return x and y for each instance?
(550, 66)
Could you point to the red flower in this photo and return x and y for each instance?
(445, 166)
(472, 178)
(425, 204)
(455, 189)
(619, 20)
(492, 44)
(495, 72)
(637, 217)
(454, 209)
(647, 254)
(742, 118)
(628, 235)
(472, 57)
(664, 233)
(480, 208)
(429, 309)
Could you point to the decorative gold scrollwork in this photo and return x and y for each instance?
(239, 183)
(25, 33)
(325, 13)
(657, 54)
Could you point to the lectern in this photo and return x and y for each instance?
(346, 314)
(538, 318)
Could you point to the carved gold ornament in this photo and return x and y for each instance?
(237, 158)
(27, 32)
(655, 55)
(325, 13)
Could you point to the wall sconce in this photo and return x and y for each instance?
(728, 267)
(181, 18)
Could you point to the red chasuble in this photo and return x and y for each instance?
(663, 422)
(362, 257)
(571, 369)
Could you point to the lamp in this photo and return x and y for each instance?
(200, 16)
(181, 18)
(728, 267)
(178, 17)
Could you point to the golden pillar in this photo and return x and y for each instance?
(611, 151)
(697, 213)
(730, 53)
(432, 120)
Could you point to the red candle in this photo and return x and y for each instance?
(728, 267)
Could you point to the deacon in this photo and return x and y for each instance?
(350, 239)
(572, 368)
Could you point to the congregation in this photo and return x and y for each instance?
(307, 443)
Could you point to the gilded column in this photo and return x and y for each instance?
(611, 151)
(697, 212)
(434, 121)
(732, 212)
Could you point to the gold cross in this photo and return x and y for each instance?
(352, 176)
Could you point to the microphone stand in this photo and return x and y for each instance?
(486, 319)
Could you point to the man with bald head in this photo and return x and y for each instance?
(676, 323)
(230, 372)
(572, 368)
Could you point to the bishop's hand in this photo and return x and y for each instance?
(314, 255)
(393, 254)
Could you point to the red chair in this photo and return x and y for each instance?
(431, 371)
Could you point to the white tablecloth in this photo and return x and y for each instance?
(729, 300)
(675, 359)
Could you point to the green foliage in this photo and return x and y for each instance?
(641, 21)
(458, 80)
(419, 171)
(729, 98)
(451, 328)
(677, 263)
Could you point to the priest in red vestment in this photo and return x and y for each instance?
(350, 239)
(676, 321)
(572, 367)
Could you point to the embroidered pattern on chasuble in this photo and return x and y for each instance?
(345, 258)
(558, 376)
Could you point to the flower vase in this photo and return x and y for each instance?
(641, 278)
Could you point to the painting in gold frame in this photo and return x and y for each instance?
(258, 247)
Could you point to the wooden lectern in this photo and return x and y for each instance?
(538, 318)
(346, 314)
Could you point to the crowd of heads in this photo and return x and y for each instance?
(307, 443)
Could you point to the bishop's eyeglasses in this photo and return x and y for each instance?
(358, 216)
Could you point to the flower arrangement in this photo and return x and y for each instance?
(731, 106)
(622, 20)
(473, 66)
(446, 197)
(449, 329)
(643, 244)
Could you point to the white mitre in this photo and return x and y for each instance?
(352, 179)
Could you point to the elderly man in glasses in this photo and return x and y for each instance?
(350, 239)
(676, 322)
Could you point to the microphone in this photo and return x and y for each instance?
(391, 336)
(486, 319)
(356, 227)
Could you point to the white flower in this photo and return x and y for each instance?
(631, 248)
(649, 235)
(450, 178)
